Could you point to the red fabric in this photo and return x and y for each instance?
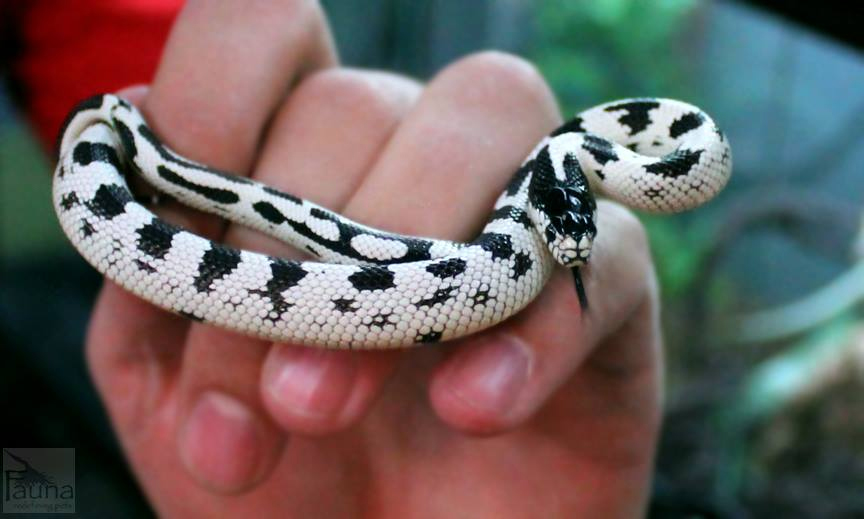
(71, 49)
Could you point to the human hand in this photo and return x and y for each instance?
(550, 414)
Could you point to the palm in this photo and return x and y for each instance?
(215, 423)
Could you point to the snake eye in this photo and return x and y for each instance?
(556, 201)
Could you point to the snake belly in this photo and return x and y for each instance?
(370, 289)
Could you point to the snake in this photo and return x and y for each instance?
(368, 288)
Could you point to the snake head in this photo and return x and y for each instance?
(563, 211)
(570, 230)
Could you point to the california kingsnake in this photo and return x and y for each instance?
(372, 289)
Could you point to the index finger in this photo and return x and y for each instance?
(225, 68)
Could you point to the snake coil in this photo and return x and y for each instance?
(371, 289)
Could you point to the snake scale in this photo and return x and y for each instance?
(370, 288)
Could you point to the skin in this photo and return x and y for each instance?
(550, 414)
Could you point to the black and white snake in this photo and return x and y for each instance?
(372, 289)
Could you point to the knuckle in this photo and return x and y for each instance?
(304, 16)
(624, 266)
(353, 92)
(502, 72)
(626, 247)
(298, 22)
(307, 10)
(310, 12)
(338, 85)
(295, 12)
(628, 228)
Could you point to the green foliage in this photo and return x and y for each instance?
(683, 252)
(592, 50)
(27, 222)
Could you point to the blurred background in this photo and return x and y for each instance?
(762, 288)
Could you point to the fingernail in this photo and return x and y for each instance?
(489, 376)
(220, 443)
(310, 382)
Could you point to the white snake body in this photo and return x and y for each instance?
(371, 289)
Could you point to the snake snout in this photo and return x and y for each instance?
(572, 252)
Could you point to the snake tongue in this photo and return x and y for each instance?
(580, 288)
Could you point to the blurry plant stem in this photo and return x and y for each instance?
(772, 386)
(820, 306)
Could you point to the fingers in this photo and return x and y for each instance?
(324, 140)
(471, 127)
(226, 66)
(132, 346)
(320, 146)
(450, 160)
(133, 355)
(329, 110)
(501, 379)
